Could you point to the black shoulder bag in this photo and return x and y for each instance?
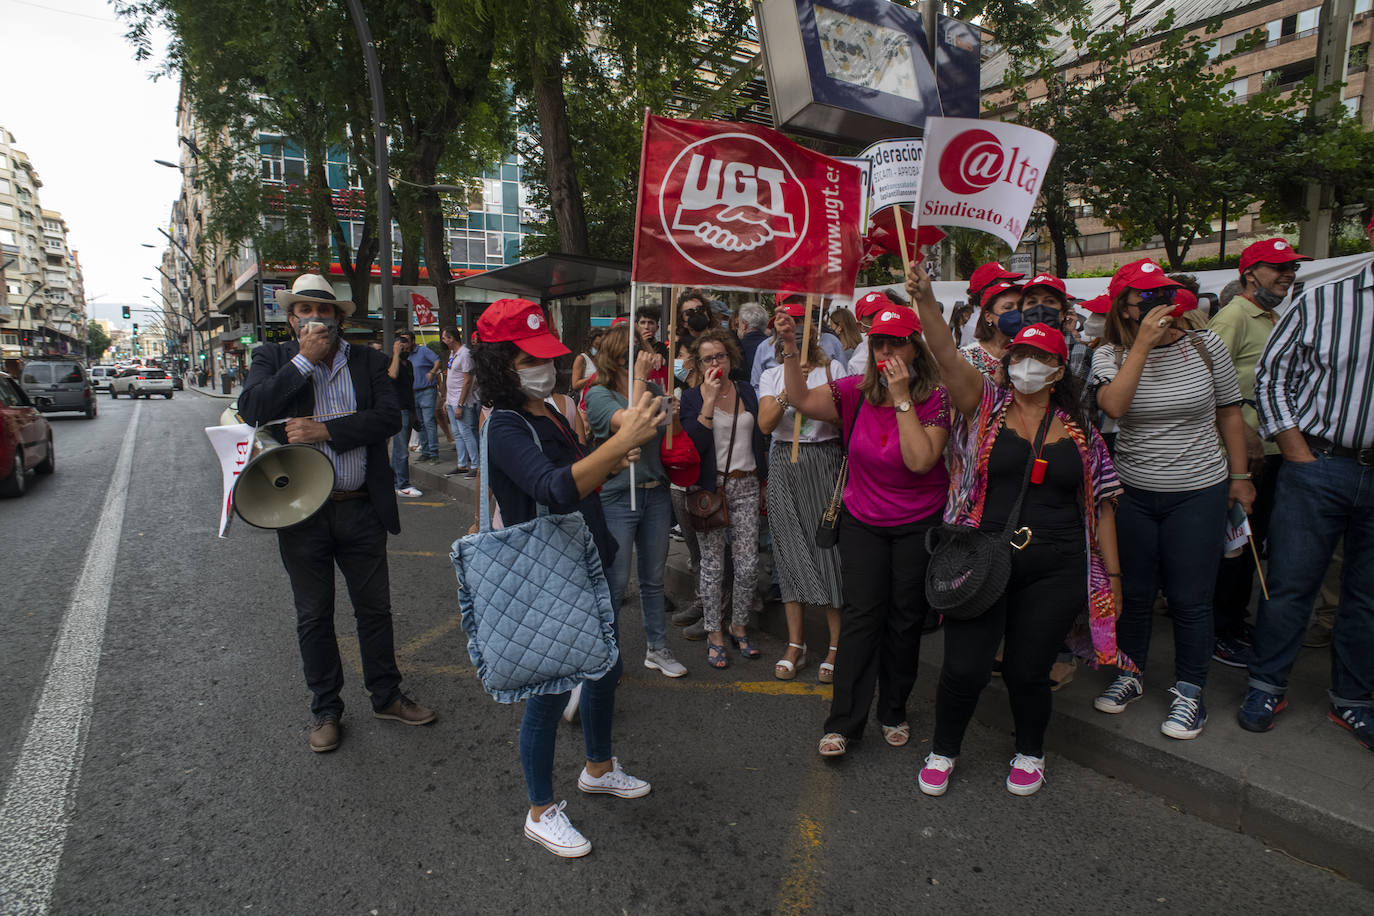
(969, 568)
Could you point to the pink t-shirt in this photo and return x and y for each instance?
(881, 491)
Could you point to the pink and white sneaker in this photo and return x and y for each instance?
(934, 776)
(1027, 775)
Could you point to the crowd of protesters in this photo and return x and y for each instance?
(1118, 437)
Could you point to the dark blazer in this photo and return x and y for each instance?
(275, 389)
(704, 439)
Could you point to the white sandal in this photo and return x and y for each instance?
(784, 670)
(826, 673)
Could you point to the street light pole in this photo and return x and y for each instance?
(374, 81)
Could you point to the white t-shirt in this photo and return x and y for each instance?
(771, 385)
(1167, 441)
(459, 366)
(743, 458)
(858, 360)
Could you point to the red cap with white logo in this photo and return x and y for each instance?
(872, 304)
(1142, 274)
(987, 274)
(1043, 337)
(1050, 281)
(992, 292)
(1269, 251)
(895, 321)
(522, 323)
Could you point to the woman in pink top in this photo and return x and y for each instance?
(895, 420)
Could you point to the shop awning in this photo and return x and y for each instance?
(552, 276)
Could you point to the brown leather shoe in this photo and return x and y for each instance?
(406, 711)
(325, 733)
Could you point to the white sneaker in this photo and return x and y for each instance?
(574, 701)
(408, 491)
(556, 833)
(662, 660)
(615, 782)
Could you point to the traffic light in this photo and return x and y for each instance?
(135, 328)
(126, 312)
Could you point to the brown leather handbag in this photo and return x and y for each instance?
(709, 509)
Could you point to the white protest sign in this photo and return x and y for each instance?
(233, 447)
(865, 168)
(1237, 530)
(896, 172)
(985, 175)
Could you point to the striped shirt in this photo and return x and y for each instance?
(1167, 440)
(1317, 371)
(334, 397)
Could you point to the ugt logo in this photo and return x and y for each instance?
(975, 160)
(731, 205)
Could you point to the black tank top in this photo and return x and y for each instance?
(1053, 505)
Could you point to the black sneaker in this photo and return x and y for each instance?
(456, 471)
(1232, 652)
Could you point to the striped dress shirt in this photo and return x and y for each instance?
(334, 397)
(1317, 371)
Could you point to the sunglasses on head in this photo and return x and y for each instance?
(1159, 296)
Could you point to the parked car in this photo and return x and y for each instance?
(25, 438)
(177, 383)
(137, 382)
(61, 383)
(101, 376)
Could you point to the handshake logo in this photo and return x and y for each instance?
(728, 201)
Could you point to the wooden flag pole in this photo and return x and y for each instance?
(630, 384)
(801, 360)
(901, 240)
(1255, 551)
(672, 354)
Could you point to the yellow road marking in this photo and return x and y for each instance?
(412, 553)
(797, 893)
(433, 635)
(411, 502)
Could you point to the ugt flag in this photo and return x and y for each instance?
(982, 174)
(424, 310)
(734, 206)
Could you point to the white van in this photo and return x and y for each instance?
(101, 375)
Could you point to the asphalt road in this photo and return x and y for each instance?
(193, 790)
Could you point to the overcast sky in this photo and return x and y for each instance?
(92, 122)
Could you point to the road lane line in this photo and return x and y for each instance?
(36, 810)
(412, 502)
(800, 887)
(412, 553)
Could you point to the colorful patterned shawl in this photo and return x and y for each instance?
(970, 446)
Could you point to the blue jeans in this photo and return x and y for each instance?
(425, 399)
(400, 452)
(465, 427)
(1314, 505)
(1174, 539)
(539, 729)
(645, 527)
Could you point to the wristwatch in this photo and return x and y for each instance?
(903, 406)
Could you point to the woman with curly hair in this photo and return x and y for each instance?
(514, 370)
(1029, 434)
(895, 422)
(721, 417)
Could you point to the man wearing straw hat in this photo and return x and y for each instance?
(339, 399)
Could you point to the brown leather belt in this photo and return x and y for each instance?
(342, 495)
(736, 474)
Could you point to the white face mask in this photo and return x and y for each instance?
(1030, 375)
(538, 382)
(1094, 326)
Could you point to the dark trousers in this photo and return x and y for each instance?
(884, 571)
(347, 533)
(1173, 539)
(1236, 575)
(1047, 591)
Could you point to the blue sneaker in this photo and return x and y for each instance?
(1257, 711)
(1122, 692)
(1358, 720)
(1187, 715)
(1231, 652)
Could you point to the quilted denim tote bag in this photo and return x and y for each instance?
(535, 603)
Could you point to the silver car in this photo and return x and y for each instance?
(59, 385)
(138, 382)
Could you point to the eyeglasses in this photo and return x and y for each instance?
(715, 358)
(1159, 296)
(1290, 268)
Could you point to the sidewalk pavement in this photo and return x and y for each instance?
(1307, 787)
(214, 392)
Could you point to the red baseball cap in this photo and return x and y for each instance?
(1043, 337)
(1184, 300)
(1098, 305)
(1269, 251)
(896, 321)
(1142, 274)
(872, 304)
(1050, 281)
(992, 292)
(986, 275)
(522, 323)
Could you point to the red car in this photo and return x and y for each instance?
(25, 439)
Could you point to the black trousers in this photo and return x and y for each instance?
(1236, 575)
(349, 534)
(1047, 592)
(884, 573)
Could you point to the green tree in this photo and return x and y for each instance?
(97, 341)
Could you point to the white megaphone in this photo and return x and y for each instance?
(282, 485)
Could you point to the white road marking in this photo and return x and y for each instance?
(36, 810)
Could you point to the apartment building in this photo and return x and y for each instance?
(42, 297)
(1286, 56)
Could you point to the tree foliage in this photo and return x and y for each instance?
(97, 341)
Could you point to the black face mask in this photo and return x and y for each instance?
(697, 321)
(1042, 314)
